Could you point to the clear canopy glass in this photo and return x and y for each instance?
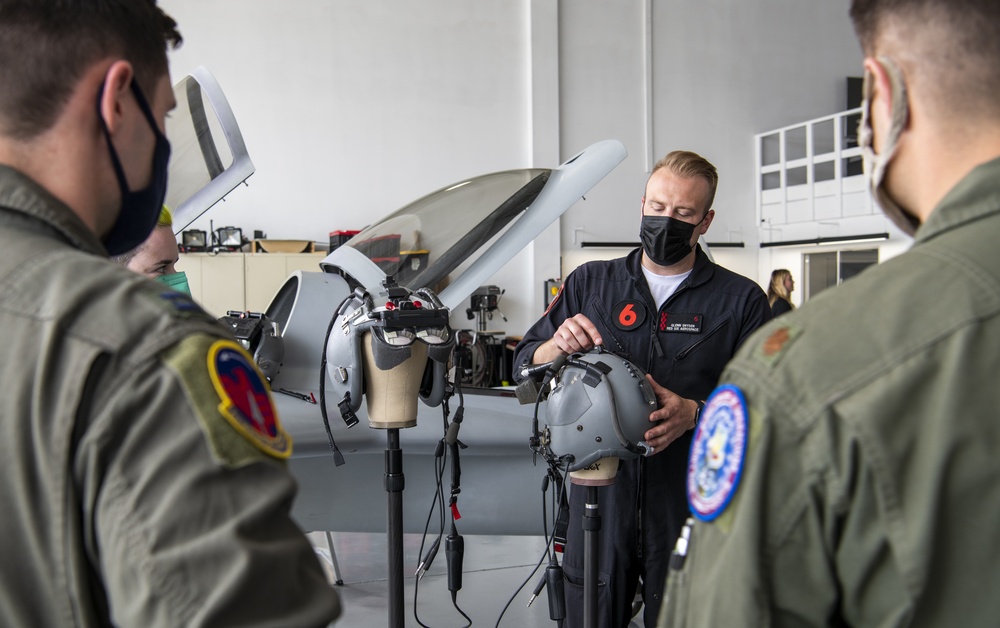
(422, 243)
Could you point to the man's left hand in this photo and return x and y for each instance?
(675, 416)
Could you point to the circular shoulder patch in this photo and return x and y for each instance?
(717, 452)
(245, 398)
(628, 315)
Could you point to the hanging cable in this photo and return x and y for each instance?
(454, 543)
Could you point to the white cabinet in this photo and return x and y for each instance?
(241, 281)
(265, 273)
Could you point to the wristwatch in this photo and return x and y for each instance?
(697, 412)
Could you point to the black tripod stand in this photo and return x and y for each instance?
(394, 483)
(591, 529)
(591, 536)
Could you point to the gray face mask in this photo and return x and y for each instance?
(875, 165)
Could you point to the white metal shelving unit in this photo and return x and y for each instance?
(809, 175)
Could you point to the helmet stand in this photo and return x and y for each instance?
(601, 473)
(392, 404)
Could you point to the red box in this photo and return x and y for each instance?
(339, 237)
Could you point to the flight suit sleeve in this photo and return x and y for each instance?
(189, 511)
(755, 315)
(767, 559)
(562, 307)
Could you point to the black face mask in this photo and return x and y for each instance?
(666, 240)
(140, 208)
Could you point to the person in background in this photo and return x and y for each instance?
(670, 310)
(157, 256)
(779, 292)
(142, 464)
(846, 472)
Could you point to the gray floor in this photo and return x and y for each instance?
(494, 568)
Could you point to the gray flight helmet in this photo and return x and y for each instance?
(405, 317)
(599, 408)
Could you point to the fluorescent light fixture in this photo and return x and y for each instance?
(609, 245)
(633, 245)
(855, 239)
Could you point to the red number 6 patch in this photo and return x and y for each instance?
(629, 314)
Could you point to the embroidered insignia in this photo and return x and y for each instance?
(179, 301)
(717, 452)
(777, 342)
(628, 315)
(245, 399)
(554, 299)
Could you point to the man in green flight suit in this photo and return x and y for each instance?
(847, 472)
(142, 475)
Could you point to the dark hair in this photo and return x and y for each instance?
(47, 45)
(955, 45)
(978, 18)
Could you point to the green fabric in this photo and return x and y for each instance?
(124, 501)
(177, 281)
(870, 492)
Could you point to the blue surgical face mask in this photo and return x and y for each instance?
(140, 208)
(177, 281)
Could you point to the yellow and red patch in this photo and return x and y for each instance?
(245, 398)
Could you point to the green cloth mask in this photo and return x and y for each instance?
(177, 281)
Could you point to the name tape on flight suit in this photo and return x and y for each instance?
(717, 453)
(680, 322)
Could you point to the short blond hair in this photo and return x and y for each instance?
(687, 164)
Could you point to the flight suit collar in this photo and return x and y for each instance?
(23, 197)
(974, 197)
(701, 272)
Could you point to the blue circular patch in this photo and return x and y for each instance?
(717, 452)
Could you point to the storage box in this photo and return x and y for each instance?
(339, 237)
(283, 246)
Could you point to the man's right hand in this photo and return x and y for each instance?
(576, 334)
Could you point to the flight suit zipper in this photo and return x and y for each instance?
(654, 339)
(703, 339)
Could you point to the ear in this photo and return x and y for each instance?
(117, 87)
(881, 99)
(642, 205)
(709, 216)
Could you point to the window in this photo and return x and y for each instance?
(824, 270)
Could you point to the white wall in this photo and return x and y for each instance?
(352, 108)
(721, 71)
